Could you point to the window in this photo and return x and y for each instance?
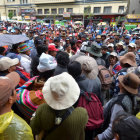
(46, 11)
(61, 10)
(107, 9)
(54, 11)
(70, 10)
(87, 10)
(10, 0)
(39, 11)
(97, 10)
(121, 9)
(23, 1)
(12, 11)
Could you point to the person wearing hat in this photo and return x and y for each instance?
(114, 63)
(57, 44)
(60, 92)
(52, 50)
(131, 48)
(120, 48)
(95, 52)
(110, 47)
(103, 37)
(25, 61)
(126, 61)
(126, 41)
(11, 125)
(123, 102)
(8, 65)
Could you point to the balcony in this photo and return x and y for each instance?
(51, 1)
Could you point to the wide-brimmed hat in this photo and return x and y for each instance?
(135, 70)
(61, 91)
(6, 63)
(120, 44)
(132, 45)
(128, 58)
(24, 47)
(130, 82)
(95, 49)
(89, 66)
(7, 85)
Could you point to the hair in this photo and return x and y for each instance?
(126, 126)
(41, 49)
(14, 48)
(74, 69)
(46, 75)
(63, 58)
(2, 49)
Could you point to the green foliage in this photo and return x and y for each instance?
(10, 15)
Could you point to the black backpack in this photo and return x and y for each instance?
(107, 110)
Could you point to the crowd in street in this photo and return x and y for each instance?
(69, 83)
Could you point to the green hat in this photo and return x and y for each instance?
(95, 49)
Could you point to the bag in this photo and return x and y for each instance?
(105, 77)
(92, 104)
(29, 100)
(107, 110)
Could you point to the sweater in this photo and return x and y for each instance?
(72, 127)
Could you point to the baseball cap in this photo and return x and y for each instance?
(6, 63)
(7, 85)
(133, 45)
(110, 45)
(52, 47)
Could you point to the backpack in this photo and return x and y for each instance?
(105, 77)
(107, 110)
(92, 104)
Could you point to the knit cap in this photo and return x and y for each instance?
(24, 47)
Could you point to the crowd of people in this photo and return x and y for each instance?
(70, 83)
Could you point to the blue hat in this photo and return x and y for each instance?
(127, 37)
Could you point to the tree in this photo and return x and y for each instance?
(10, 15)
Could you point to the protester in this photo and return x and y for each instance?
(60, 93)
(123, 102)
(11, 125)
(126, 126)
(62, 62)
(25, 60)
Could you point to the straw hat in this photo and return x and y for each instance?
(128, 58)
(89, 66)
(127, 80)
(61, 91)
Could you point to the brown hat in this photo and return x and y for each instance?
(127, 80)
(128, 58)
(7, 85)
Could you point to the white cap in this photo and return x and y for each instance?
(110, 45)
(6, 63)
(133, 45)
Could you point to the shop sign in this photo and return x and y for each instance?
(133, 16)
(66, 14)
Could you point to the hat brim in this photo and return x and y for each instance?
(93, 53)
(15, 78)
(68, 100)
(127, 61)
(127, 88)
(14, 62)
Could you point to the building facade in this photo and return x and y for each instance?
(63, 9)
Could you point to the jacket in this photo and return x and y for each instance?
(60, 69)
(12, 127)
(72, 128)
(91, 86)
(127, 102)
(73, 58)
(25, 62)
